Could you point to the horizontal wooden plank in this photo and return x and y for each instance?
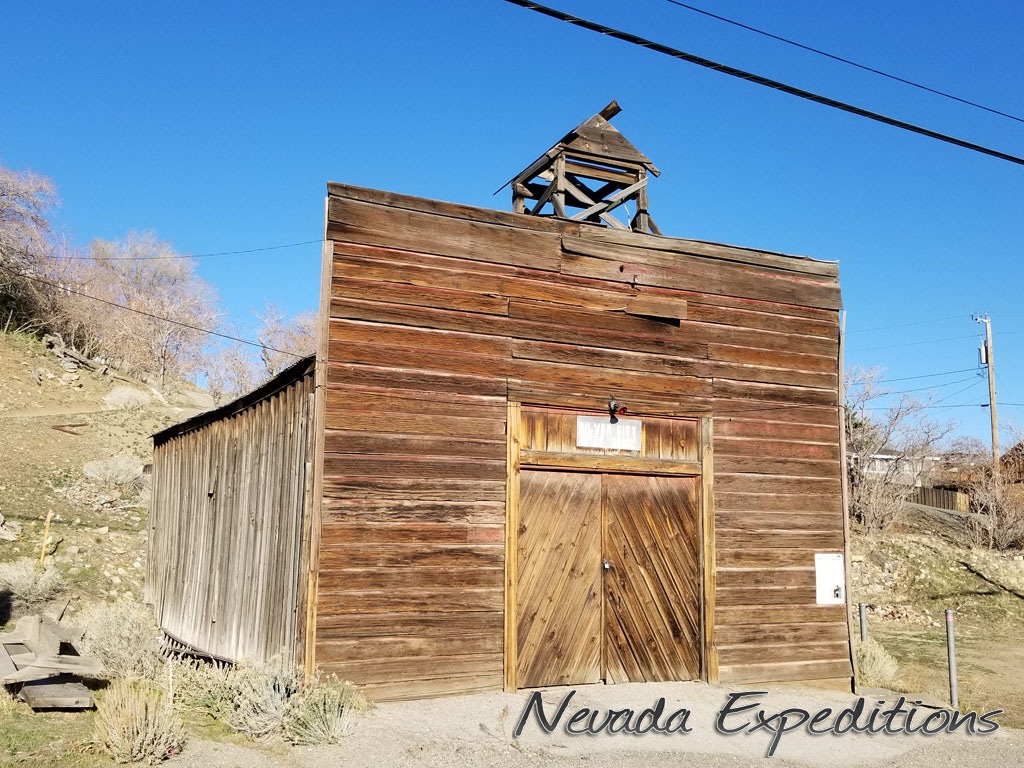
(767, 423)
(709, 312)
(384, 335)
(736, 352)
(639, 403)
(764, 596)
(758, 557)
(775, 484)
(784, 672)
(671, 246)
(638, 266)
(680, 366)
(346, 465)
(372, 443)
(434, 624)
(414, 489)
(334, 555)
(386, 534)
(708, 333)
(822, 541)
(354, 221)
(764, 577)
(446, 209)
(391, 378)
(725, 447)
(774, 394)
(777, 502)
(776, 465)
(423, 689)
(775, 634)
(409, 577)
(451, 425)
(418, 295)
(414, 269)
(365, 671)
(405, 646)
(628, 464)
(838, 651)
(816, 522)
(778, 614)
(411, 599)
(402, 510)
(350, 398)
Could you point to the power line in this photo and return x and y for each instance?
(64, 288)
(913, 343)
(760, 80)
(182, 255)
(834, 57)
(908, 325)
(929, 375)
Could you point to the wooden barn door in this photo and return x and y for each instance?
(559, 579)
(652, 608)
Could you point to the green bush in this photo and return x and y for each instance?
(323, 714)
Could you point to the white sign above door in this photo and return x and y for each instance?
(602, 432)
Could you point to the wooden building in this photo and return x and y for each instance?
(548, 447)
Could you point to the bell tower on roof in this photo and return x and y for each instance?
(589, 175)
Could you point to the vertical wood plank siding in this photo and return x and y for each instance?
(226, 527)
(440, 314)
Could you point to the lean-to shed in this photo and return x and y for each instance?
(544, 447)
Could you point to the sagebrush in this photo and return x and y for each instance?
(29, 585)
(136, 724)
(118, 472)
(323, 714)
(875, 666)
(8, 704)
(124, 636)
(267, 700)
(127, 399)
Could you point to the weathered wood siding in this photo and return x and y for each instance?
(440, 313)
(226, 528)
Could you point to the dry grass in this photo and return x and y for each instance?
(875, 666)
(323, 714)
(121, 472)
(122, 635)
(29, 585)
(8, 704)
(127, 399)
(136, 724)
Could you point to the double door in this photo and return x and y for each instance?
(608, 583)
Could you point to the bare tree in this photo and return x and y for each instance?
(161, 333)
(284, 341)
(25, 232)
(230, 370)
(996, 518)
(889, 450)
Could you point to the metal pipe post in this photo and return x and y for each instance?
(951, 652)
(863, 621)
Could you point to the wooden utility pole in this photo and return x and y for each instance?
(990, 365)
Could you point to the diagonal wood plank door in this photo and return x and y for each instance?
(559, 579)
(652, 583)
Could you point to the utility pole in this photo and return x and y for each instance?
(990, 365)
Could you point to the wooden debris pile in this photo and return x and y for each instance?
(41, 654)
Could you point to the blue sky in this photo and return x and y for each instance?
(217, 125)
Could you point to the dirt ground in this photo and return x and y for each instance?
(476, 731)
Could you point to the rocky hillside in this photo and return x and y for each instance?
(76, 443)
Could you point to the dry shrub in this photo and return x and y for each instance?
(30, 585)
(136, 724)
(8, 704)
(261, 695)
(202, 687)
(122, 635)
(127, 399)
(121, 472)
(875, 666)
(323, 714)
